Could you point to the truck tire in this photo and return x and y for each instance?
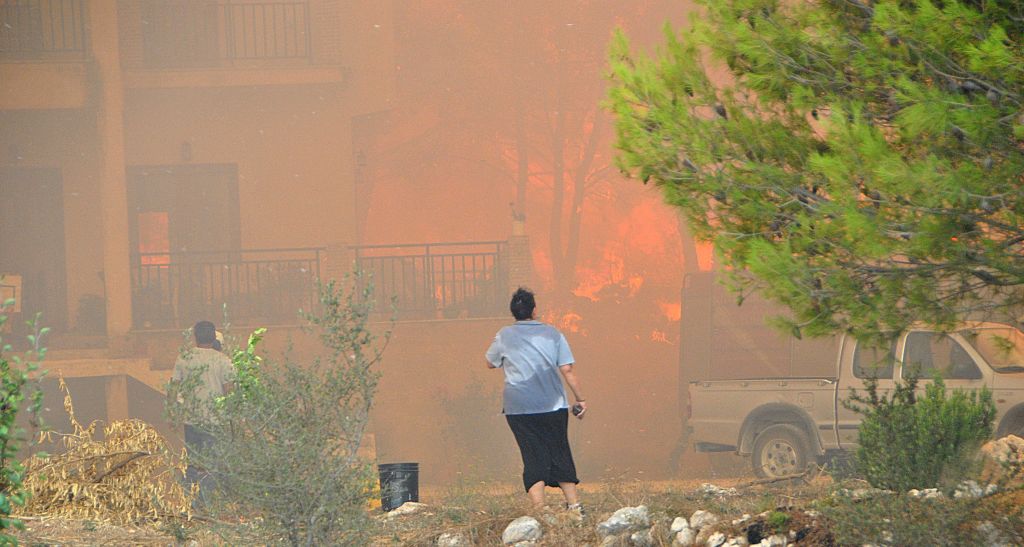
(780, 450)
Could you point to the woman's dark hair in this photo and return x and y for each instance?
(522, 304)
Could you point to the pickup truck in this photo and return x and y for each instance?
(784, 424)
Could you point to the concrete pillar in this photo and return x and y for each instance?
(109, 103)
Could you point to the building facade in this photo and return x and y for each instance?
(162, 158)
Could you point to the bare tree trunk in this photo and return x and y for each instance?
(522, 151)
(579, 191)
(562, 278)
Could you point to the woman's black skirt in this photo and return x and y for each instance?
(543, 441)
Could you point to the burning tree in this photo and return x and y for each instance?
(507, 96)
(858, 161)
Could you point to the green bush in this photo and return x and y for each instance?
(16, 376)
(907, 441)
(286, 438)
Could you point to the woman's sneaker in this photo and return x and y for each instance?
(576, 511)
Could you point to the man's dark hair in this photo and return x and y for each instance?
(205, 333)
(522, 304)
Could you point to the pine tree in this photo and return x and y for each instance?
(858, 161)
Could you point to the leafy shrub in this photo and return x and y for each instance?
(889, 519)
(286, 438)
(15, 378)
(908, 441)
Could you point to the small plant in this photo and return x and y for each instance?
(177, 531)
(777, 520)
(89, 525)
(16, 377)
(909, 442)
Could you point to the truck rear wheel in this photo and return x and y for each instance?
(780, 451)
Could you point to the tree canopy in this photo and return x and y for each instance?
(858, 161)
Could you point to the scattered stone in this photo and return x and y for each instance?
(737, 541)
(520, 530)
(927, 493)
(679, 524)
(452, 539)
(774, 540)
(860, 494)
(407, 508)
(716, 539)
(703, 535)
(685, 537)
(642, 538)
(741, 520)
(968, 489)
(700, 518)
(625, 519)
(709, 489)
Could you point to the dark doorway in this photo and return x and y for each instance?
(32, 243)
(183, 222)
(183, 208)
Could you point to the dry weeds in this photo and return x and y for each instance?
(129, 475)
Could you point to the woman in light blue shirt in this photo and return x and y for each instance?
(535, 357)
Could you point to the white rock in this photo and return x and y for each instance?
(701, 518)
(521, 529)
(711, 490)
(927, 493)
(991, 489)
(407, 508)
(642, 538)
(529, 543)
(968, 489)
(452, 539)
(744, 518)
(737, 541)
(627, 518)
(679, 524)
(716, 539)
(685, 537)
(774, 540)
(887, 536)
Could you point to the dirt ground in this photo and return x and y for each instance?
(484, 507)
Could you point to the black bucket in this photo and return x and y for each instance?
(399, 483)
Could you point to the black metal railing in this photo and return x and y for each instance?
(41, 29)
(266, 286)
(205, 33)
(437, 280)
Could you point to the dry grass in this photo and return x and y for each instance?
(127, 476)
